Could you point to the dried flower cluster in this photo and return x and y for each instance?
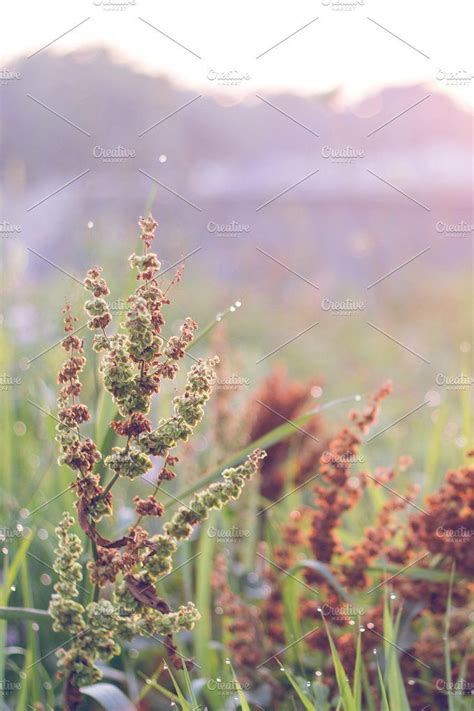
(443, 530)
(277, 400)
(241, 621)
(134, 361)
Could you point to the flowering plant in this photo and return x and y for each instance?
(126, 572)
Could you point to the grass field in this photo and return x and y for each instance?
(364, 628)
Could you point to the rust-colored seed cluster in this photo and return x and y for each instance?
(277, 400)
(242, 621)
(441, 531)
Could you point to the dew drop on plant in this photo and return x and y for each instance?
(362, 629)
(47, 685)
(282, 668)
(163, 158)
(5, 551)
(149, 681)
(370, 626)
(351, 622)
(19, 527)
(19, 428)
(45, 579)
(238, 304)
(411, 682)
(24, 513)
(90, 224)
(227, 661)
(23, 675)
(43, 534)
(13, 588)
(308, 683)
(358, 398)
(318, 673)
(393, 596)
(218, 679)
(35, 627)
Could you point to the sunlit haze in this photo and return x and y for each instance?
(356, 47)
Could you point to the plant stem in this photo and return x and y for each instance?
(96, 591)
(23, 613)
(110, 484)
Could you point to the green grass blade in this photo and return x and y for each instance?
(302, 697)
(447, 652)
(273, 437)
(395, 686)
(357, 685)
(242, 698)
(383, 692)
(345, 691)
(203, 629)
(185, 706)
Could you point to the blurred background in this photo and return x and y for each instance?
(311, 162)
(304, 154)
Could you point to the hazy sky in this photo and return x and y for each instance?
(343, 48)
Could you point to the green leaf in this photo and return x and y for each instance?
(242, 698)
(203, 631)
(302, 697)
(325, 572)
(393, 675)
(383, 693)
(273, 437)
(431, 574)
(347, 698)
(24, 613)
(185, 706)
(447, 652)
(357, 691)
(109, 697)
